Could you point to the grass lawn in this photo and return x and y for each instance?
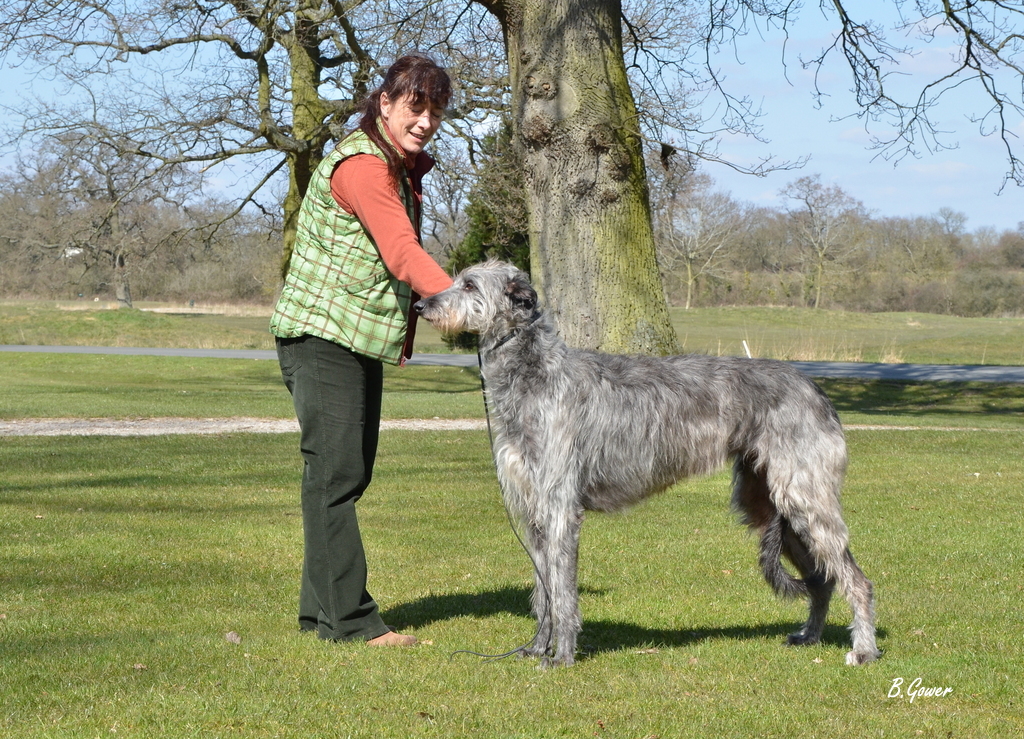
(103, 386)
(840, 336)
(778, 333)
(94, 386)
(127, 561)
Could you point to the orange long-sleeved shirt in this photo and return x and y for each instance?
(361, 186)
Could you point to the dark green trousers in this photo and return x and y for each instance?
(337, 396)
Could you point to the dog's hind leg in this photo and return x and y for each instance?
(751, 498)
(860, 594)
(821, 553)
(819, 588)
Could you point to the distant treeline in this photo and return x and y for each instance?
(84, 239)
(929, 264)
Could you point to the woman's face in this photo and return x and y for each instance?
(412, 124)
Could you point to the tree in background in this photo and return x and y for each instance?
(592, 245)
(496, 213)
(89, 208)
(276, 82)
(1011, 247)
(695, 226)
(82, 221)
(824, 219)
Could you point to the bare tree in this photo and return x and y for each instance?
(825, 220)
(275, 82)
(592, 245)
(695, 225)
(988, 36)
(91, 207)
(266, 85)
(82, 221)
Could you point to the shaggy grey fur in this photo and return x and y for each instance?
(579, 430)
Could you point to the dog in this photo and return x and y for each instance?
(576, 431)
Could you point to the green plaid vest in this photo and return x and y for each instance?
(337, 286)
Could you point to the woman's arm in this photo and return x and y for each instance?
(362, 187)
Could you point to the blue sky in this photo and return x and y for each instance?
(965, 179)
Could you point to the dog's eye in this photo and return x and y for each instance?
(469, 287)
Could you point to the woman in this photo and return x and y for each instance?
(355, 271)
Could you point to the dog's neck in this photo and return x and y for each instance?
(514, 333)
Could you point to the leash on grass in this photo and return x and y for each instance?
(515, 531)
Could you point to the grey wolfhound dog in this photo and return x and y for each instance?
(579, 430)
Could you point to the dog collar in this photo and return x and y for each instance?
(514, 333)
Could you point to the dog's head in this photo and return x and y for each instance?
(489, 298)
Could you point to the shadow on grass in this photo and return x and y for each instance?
(888, 397)
(597, 636)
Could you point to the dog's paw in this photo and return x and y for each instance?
(861, 658)
(532, 652)
(800, 639)
(556, 661)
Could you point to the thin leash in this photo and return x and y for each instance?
(508, 514)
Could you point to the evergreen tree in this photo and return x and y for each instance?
(496, 212)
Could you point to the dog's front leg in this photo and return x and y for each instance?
(563, 554)
(543, 642)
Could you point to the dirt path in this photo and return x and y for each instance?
(158, 426)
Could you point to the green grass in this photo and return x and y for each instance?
(34, 323)
(943, 404)
(780, 333)
(102, 386)
(126, 561)
(806, 334)
(105, 386)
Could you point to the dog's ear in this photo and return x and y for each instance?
(521, 292)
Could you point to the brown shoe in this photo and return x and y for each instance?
(391, 639)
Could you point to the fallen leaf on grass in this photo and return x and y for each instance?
(233, 637)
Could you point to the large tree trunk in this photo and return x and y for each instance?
(122, 283)
(309, 134)
(592, 245)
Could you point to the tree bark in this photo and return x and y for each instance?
(592, 245)
(304, 148)
(122, 284)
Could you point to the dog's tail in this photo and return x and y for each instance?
(782, 582)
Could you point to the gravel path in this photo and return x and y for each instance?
(158, 426)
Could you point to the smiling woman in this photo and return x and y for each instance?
(356, 269)
(411, 122)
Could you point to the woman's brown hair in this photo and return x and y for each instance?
(417, 76)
